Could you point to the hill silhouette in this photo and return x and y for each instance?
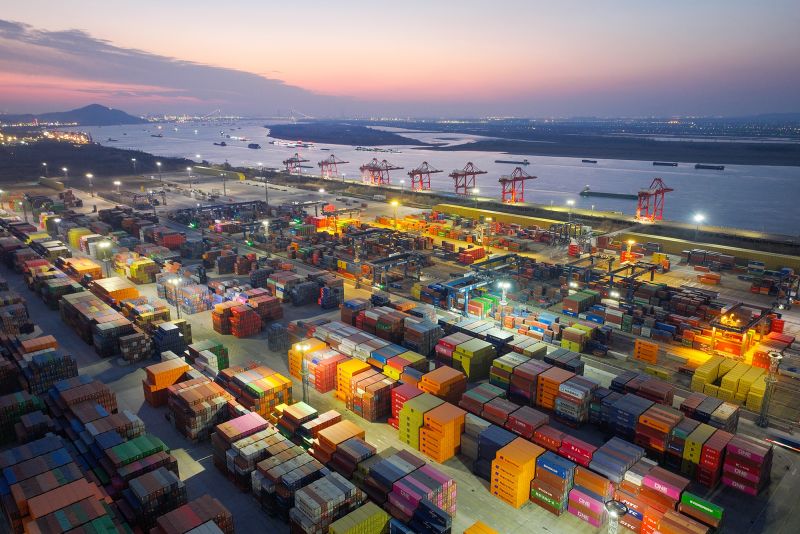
(91, 115)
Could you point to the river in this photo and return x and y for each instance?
(753, 197)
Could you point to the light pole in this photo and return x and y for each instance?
(90, 177)
(395, 204)
(189, 175)
(489, 224)
(133, 162)
(65, 171)
(402, 187)
(615, 509)
(160, 179)
(698, 218)
(343, 175)
(475, 192)
(504, 286)
(46, 173)
(316, 206)
(176, 282)
(105, 246)
(304, 370)
(224, 187)
(570, 203)
(24, 210)
(117, 183)
(771, 378)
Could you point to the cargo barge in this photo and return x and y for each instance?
(589, 193)
(665, 164)
(588, 161)
(709, 167)
(512, 162)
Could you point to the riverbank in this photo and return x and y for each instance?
(24, 162)
(339, 134)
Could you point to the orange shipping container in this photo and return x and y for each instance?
(65, 495)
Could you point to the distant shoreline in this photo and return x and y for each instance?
(773, 154)
(560, 145)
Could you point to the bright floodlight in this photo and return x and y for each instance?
(570, 202)
(573, 284)
(189, 169)
(117, 182)
(89, 175)
(158, 163)
(476, 191)
(321, 190)
(64, 169)
(104, 244)
(614, 294)
(699, 217)
(631, 242)
(503, 285)
(395, 203)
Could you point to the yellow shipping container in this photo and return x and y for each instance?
(754, 401)
(391, 372)
(693, 447)
(750, 377)
(412, 417)
(725, 394)
(368, 519)
(480, 528)
(726, 365)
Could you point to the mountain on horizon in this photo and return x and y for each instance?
(91, 115)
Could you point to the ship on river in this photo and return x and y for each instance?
(589, 193)
(512, 162)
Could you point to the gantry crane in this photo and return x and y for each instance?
(421, 177)
(650, 206)
(465, 178)
(377, 172)
(294, 164)
(514, 186)
(329, 167)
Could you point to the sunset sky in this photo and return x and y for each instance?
(419, 58)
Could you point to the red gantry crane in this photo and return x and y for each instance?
(650, 207)
(377, 172)
(329, 167)
(421, 177)
(294, 164)
(514, 186)
(465, 178)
